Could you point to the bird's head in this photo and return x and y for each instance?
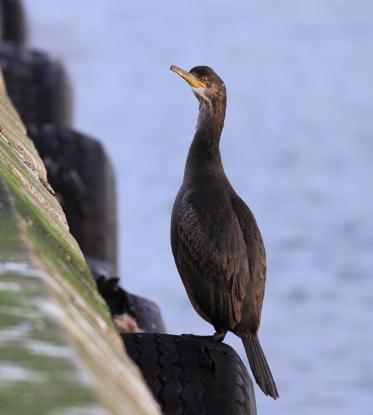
(205, 83)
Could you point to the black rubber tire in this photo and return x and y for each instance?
(12, 21)
(189, 375)
(82, 176)
(37, 85)
(145, 312)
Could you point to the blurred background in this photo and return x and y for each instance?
(297, 146)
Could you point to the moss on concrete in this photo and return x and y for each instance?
(37, 369)
(59, 351)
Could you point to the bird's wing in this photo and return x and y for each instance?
(255, 249)
(210, 253)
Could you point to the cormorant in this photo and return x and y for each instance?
(216, 242)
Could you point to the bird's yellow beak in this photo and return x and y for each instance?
(192, 80)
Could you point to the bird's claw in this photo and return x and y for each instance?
(217, 337)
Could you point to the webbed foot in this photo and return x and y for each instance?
(217, 337)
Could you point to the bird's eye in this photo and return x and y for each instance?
(204, 79)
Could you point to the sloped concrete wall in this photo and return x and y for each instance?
(59, 351)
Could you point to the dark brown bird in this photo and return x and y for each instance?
(216, 242)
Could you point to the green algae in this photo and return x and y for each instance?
(59, 351)
(33, 381)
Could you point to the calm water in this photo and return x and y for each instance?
(298, 147)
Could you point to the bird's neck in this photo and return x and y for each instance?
(204, 153)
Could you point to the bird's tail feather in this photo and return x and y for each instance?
(259, 366)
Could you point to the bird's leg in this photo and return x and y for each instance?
(217, 337)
